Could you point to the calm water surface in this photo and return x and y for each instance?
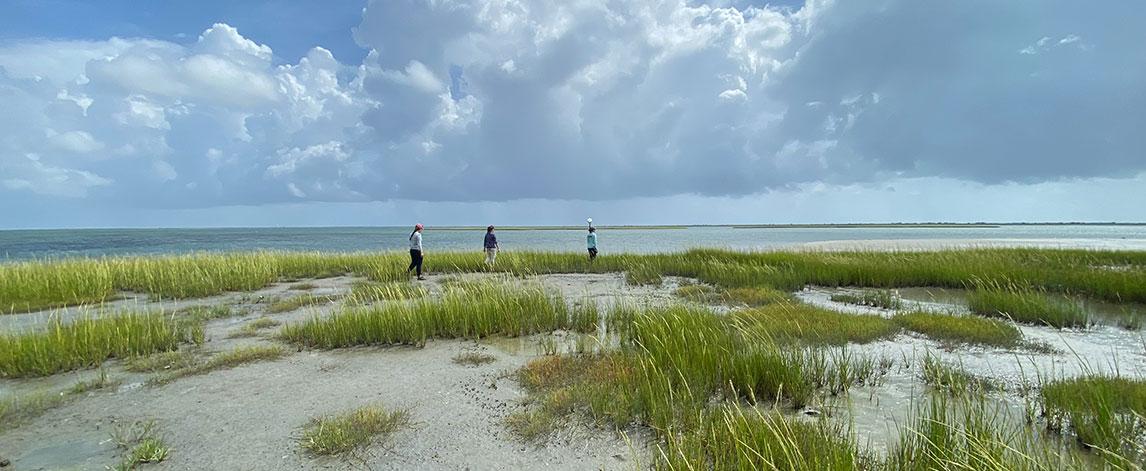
(33, 244)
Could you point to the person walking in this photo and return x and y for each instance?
(490, 246)
(416, 251)
(592, 242)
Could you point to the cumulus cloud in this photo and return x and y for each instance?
(493, 100)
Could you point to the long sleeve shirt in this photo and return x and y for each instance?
(416, 241)
(490, 240)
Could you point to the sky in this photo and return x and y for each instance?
(122, 113)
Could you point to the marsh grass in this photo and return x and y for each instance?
(88, 341)
(231, 359)
(45, 284)
(341, 433)
(473, 358)
(466, 311)
(743, 296)
(642, 274)
(366, 292)
(793, 321)
(296, 302)
(955, 329)
(251, 329)
(1026, 305)
(882, 298)
(1102, 412)
(967, 433)
(305, 286)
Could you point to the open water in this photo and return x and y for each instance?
(39, 244)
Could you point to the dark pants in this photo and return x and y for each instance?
(415, 261)
(592, 253)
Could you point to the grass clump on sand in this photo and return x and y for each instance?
(141, 442)
(89, 341)
(880, 298)
(473, 358)
(300, 301)
(231, 359)
(956, 329)
(1102, 412)
(252, 328)
(469, 311)
(786, 322)
(1026, 305)
(352, 430)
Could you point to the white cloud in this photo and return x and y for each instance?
(466, 100)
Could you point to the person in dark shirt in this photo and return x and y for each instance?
(491, 247)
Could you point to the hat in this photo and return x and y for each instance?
(417, 226)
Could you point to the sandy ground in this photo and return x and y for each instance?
(250, 417)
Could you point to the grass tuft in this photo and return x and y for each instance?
(955, 329)
(465, 311)
(787, 322)
(881, 298)
(1102, 412)
(1026, 305)
(336, 434)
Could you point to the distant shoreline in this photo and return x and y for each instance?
(885, 225)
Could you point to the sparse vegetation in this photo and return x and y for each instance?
(302, 286)
(231, 359)
(161, 361)
(142, 444)
(336, 434)
(15, 410)
(883, 299)
(953, 378)
(473, 358)
(252, 328)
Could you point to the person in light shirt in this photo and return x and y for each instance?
(416, 251)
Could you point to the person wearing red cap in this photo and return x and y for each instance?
(416, 251)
